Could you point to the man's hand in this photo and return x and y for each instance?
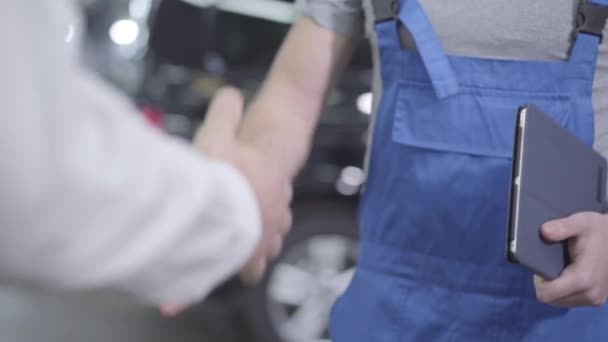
(585, 281)
(261, 165)
(220, 138)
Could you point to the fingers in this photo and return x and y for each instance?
(574, 300)
(575, 287)
(287, 220)
(269, 249)
(289, 192)
(223, 118)
(560, 288)
(254, 271)
(287, 223)
(578, 299)
(276, 247)
(560, 230)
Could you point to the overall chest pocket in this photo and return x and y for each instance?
(476, 121)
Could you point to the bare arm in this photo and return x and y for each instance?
(285, 112)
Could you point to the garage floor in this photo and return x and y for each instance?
(36, 317)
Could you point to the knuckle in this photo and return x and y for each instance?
(578, 216)
(586, 281)
(289, 193)
(594, 297)
(583, 216)
(594, 215)
(586, 219)
(578, 220)
(289, 218)
(598, 302)
(289, 227)
(589, 295)
(276, 249)
(541, 296)
(287, 222)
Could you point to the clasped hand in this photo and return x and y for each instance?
(226, 137)
(223, 137)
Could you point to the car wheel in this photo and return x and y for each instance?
(294, 300)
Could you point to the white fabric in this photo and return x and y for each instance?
(94, 197)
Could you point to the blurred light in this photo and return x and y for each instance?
(124, 32)
(139, 9)
(215, 64)
(291, 284)
(351, 178)
(69, 36)
(364, 103)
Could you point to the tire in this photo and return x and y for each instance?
(325, 227)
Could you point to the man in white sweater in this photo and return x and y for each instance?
(93, 197)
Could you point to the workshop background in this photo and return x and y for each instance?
(170, 57)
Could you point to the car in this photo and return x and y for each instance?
(187, 54)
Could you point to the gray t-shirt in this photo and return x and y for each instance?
(503, 29)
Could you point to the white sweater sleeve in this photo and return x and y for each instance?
(94, 197)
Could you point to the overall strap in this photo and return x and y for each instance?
(409, 13)
(436, 62)
(588, 34)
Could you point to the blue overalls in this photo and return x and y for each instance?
(432, 263)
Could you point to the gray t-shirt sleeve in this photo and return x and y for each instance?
(342, 16)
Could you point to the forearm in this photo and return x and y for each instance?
(288, 106)
(111, 203)
(93, 197)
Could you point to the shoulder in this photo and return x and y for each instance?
(342, 16)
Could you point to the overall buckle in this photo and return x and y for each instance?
(591, 19)
(385, 10)
(388, 10)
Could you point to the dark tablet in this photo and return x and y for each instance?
(554, 176)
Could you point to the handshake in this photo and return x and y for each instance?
(228, 137)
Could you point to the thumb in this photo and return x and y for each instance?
(560, 230)
(222, 119)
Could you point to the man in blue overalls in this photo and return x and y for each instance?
(432, 264)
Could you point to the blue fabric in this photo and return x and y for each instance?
(432, 220)
(412, 15)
